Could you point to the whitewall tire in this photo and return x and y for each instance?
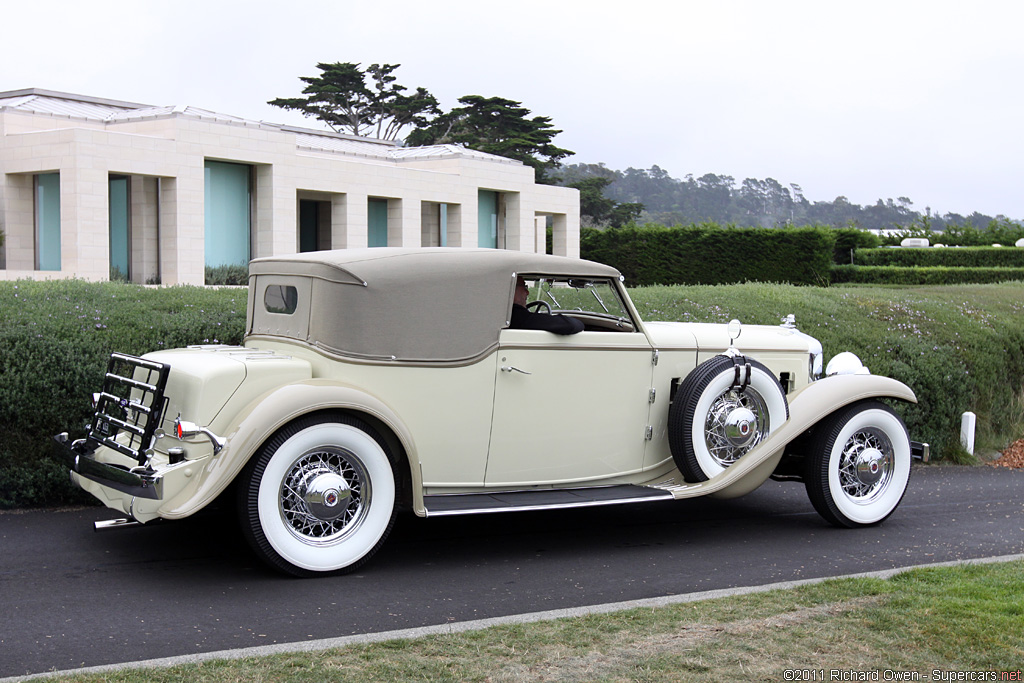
(319, 496)
(719, 413)
(859, 466)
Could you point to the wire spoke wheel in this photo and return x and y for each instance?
(736, 422)
(319, 496)
(866, 465)
(858, 465)
(324, 495)
(715, 420)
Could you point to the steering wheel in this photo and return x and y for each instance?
(538, 304)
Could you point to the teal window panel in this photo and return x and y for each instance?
(487, 227)
(228, 219)
(47, 186)
(377, 223)
(118, 223)
(443, 219)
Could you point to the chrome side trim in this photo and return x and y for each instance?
(554, 506)
(546, 499)
(671, 486)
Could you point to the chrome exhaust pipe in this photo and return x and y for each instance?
(120, 523)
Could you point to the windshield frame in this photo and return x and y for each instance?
(584, 297)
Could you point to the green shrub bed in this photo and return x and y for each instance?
(959, 348)
(933, 275)
(227, 275)
(56, 338)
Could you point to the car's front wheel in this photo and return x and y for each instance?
(319, 496)
(859, 465)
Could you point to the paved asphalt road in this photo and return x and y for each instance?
(70, 597)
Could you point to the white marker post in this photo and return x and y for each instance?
(967, 424)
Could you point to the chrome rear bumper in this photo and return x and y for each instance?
(80, 460)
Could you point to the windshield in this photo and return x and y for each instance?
(586, 297)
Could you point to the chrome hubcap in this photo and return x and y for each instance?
(735, 423)
(324, 496)
(866, 465)
(870, 466)
(740, 427)
(327, 496)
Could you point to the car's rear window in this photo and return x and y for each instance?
(283, 299)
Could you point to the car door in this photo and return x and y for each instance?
(569, 409)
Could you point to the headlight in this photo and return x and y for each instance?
(814, 353)
(814, 365)
(815, 358)
(845, 363)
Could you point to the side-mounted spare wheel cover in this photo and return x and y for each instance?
(724, 408)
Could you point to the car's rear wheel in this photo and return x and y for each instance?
(319, 496)
(859, 465)
(720, 412)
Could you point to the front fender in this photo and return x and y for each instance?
(807, 407)
(265, 415)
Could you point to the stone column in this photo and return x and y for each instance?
(84, 222)
(403, 223)
(349, 221)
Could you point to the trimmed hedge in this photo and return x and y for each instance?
(1000, 231)
(710, 254)
(936, 275)
(850, 240)
(954, 257)
(56, 338)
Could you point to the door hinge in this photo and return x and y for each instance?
(653, 395)
(650, 433)
(654, 357)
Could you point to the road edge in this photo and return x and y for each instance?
(477, 624)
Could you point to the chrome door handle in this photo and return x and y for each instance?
(512, 368)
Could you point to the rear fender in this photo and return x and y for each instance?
(268, 413)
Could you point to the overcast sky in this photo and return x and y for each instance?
(864, 99)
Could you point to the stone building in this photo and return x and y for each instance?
(98, 189)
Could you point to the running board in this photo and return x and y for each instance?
(439, 505)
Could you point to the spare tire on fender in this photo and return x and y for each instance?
(724, 408)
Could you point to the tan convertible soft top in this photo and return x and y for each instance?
(422, 305)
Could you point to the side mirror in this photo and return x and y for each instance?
(734, 328)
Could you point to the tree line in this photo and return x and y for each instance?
(766, 203)
(369, 101)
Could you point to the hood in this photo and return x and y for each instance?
(715, 337)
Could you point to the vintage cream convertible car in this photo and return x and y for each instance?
(380, 379)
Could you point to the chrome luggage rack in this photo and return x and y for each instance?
(131, 405)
